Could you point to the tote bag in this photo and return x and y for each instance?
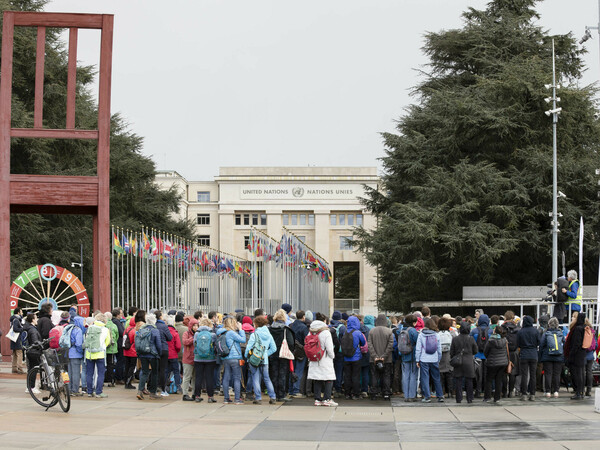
(285, 352)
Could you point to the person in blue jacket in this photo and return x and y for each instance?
(231, 363)
(76, 354)
(552, 357)
(428, 358)
(481, 334)
(409, 363)
(352, 364)
(268, 344)
(165, 338)
(149, 361)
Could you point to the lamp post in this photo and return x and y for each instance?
(554, 112)
(80, 264)
(587, 35)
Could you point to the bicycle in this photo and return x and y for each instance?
(48, 382)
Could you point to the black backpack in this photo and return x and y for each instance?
(482, 339)
(511, 337)
(347, 344)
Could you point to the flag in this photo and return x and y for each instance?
(125, 243)
(117, 245)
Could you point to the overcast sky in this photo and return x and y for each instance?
(212, 83)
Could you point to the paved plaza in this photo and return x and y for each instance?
(122, 421)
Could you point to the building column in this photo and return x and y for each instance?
(322, 245)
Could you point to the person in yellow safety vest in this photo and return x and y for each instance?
(574, 292)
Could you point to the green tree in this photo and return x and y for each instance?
(135, 199)
(467, 182)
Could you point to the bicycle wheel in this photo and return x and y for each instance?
(39, 388)
(64, 396)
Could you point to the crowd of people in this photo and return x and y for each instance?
(291, 355)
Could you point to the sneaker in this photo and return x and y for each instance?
(154, 396)
(523, 398)
(426, 400)
(440, 399)
(272, 401)
(298, 395)
(140, 395)
(164, 394)
(329, 403)
(198, 399)
(146, 391)
(227, 401)
(93, 395)
(532, 398)
(257, 402)
(548, 395)
(211, 400)
(179, 390)
(238, 402)
(187, 398)
(556, 395)
(101, 395)
(364, 394)
(318, 402)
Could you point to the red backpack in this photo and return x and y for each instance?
(312, 347)
(54, 335)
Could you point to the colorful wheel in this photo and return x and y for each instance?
(48, 284)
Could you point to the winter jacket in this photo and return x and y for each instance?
(483, 326)
(574, 352)
(365, 358)
(528, 340)
(233, 339)
(369, 322)
(17, 326)
(465, 343)
(77, 332)
(44, 324)
(381, 340)
(266, 340)
(104, 342)
(445, 361)
(155, 340)
(511, 335)
(130, 331)
(113, 348)
(339, 328)
(358, 338)
(165, 336)
(277, 329)
(323, 369)
(188, 343)
(496, 351)
(121, 329)
(33, 336)
(413, 334)
(181, 329)
(212, 357)
(174, 344)
(300, 330)
(421, 355)
(544, 353)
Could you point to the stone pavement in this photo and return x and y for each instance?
(122, 422)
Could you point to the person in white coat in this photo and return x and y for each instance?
(322, 372)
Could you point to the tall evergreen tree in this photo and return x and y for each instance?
(135, 199)
(468, 177)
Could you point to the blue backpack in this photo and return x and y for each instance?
(203, 345)
(554, 341)
(431, 344)
(143, 341)
(221, 345)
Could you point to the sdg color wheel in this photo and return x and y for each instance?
(49, 284)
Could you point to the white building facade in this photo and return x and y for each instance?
(320, 205)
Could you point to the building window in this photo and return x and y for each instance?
(202, 296)
(246, 219)
(238, 219)
(350, 220)
(286, 219)
(203, 219)
(251, 218)
(254, 219)
(204, 240)
(311, 219)
(302, 238)
(333, 219)
(341, 219)
(346, 243)
(263, 219)
(294, 219)
(247, 242)
(302, 219)
(359, 221)
(203, 196)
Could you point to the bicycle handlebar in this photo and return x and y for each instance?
(39, 344)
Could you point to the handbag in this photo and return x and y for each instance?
(457, 360)
(284, 351)
(509, 367)
(12, 335)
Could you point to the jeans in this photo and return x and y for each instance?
(100, 366)
(494, 374)
(381, 380)
(432, 369)
(279, 369)
(481, 376)
(164, 362)
(188, 376)
(254, 374)
(149, 374)
(299, 371)
(232, 370)
(75, 374)
(409, 379)
(205, 371)
(458, 383)
(338, 365)
(173, 366)
(325, 387)
(84, 375)
(352, 377)
(528, 368)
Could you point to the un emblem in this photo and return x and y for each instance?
(298, 192)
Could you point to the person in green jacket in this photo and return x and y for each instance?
(97, 339)
(111, 351)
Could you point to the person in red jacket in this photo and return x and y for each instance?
(130, 354)
(174, 347)
(188, 358)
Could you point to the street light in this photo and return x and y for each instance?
(79, 264)
(588, 35)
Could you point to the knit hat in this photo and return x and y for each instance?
(247, 320)
(336, 315)
(239, 311)
(172, 312)
(179, 317)
(345, 316)
(286, 307)
(309, 315)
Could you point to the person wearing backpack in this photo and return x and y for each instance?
(188, 358)
(300, 330)
(234, 336)
(320, 353)
(552, 357)
(528, 341)
(45, 324)
(445, 368)
(17, 346)
(111, 351)
(511, 327)
(462, 351)
(279, 368)
(75, 334)
(496, 354)
(148, 346)
(381, 346)
(590, 357)
(165, 338)
(407, 343)
(97, 339)
(129, 352)
(351, 342)
(481, 335)
(258, 349)
(173, 363)
(204, 362)
(339, 329)
(428, 353)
